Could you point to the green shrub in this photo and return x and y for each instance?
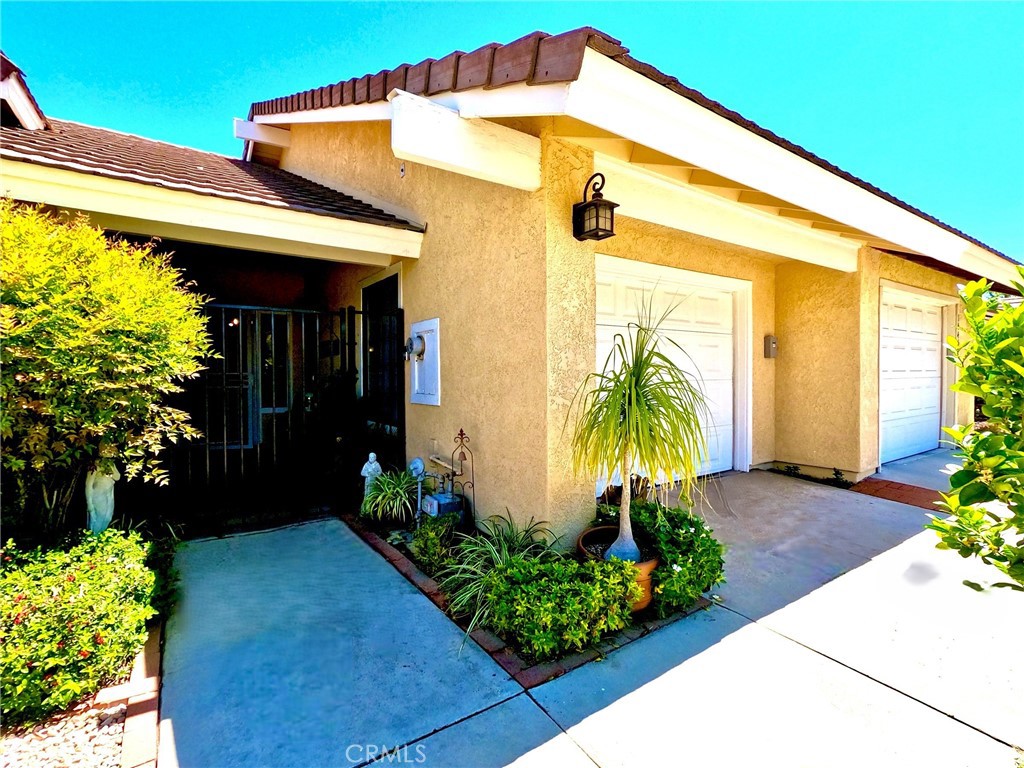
(392, 497)
(551, 607)
(690, 556)
(991, 361)
(94, 336)
(476, 555)
(432, 542)
(71, 621)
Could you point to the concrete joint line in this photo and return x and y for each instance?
(873, 679)
(558, 725)
(400, 747)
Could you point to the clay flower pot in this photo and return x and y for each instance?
(606, 534)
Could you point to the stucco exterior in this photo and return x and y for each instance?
(515, 294)
(483, 272)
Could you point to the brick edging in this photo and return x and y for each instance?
(904, 493)
(141, 694)
(521, 671)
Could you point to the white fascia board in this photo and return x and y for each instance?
(646, 196)
(612, 97)
(352, 113)
(434, 135)
(262, 134)
(14, 92)
(520, 100)
(117, 197)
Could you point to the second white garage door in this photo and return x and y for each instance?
(702, 325)
(910, 362)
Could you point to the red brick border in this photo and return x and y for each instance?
(142, 695)
(901, 492)
(517, 668)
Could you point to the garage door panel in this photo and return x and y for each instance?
(700, 325)
(910, 376)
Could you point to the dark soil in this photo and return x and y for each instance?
(598, 548)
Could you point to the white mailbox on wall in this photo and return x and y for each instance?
(425, 358)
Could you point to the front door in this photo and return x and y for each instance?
(383, 378)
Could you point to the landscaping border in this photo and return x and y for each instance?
(914, 495)
(528, 676)
(141, 695)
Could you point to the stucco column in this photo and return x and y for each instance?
(869, 265)
(571, 341)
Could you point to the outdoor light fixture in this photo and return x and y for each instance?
(594, 219)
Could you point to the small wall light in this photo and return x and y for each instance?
(594, 219)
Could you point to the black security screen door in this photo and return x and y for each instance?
(383, 381)
(274, 407)
(285, 426)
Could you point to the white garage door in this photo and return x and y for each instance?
(701, 324)
(910, 360)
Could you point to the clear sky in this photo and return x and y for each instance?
(925, 100)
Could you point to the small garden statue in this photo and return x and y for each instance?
(371, 469)
(99, 497)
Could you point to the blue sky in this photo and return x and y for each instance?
(925, 100)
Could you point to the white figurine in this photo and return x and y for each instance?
(99, 498)
(371, 469)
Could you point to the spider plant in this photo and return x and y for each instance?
(640, 414)
(392, 496)
(500, 541)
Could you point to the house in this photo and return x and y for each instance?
(436, 200)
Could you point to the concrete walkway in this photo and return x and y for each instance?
(929, 470)
(843, 639)
(303, 647)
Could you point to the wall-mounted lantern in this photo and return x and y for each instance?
(594, 219)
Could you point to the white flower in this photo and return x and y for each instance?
(676, 568)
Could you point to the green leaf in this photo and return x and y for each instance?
(975, 493)
(961, 478)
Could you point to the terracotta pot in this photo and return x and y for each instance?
(607, 534)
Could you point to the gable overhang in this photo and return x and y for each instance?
(15, 92)
(681, 164)
(131, 207)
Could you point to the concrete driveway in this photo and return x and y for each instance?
(843, 639)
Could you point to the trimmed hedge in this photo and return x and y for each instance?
(72, 620)
(551, 607)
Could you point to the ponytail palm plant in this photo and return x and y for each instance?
(640, 414)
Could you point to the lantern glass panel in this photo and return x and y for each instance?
(589, 219)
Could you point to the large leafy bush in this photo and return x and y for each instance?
(71, 621)
(991, 361)
(94, 335)
(475, 555)
(690, 556)
(550, 607)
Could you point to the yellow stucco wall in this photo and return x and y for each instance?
(643, 241)
(827, 385)
(514, 292)
(481, 271)
(817, 376)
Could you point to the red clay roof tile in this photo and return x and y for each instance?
(87, 149)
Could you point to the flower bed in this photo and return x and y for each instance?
(73, 620)
(539, 612)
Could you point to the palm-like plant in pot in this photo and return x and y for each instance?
(640, 415)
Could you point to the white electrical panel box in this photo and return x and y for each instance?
(425, 359)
